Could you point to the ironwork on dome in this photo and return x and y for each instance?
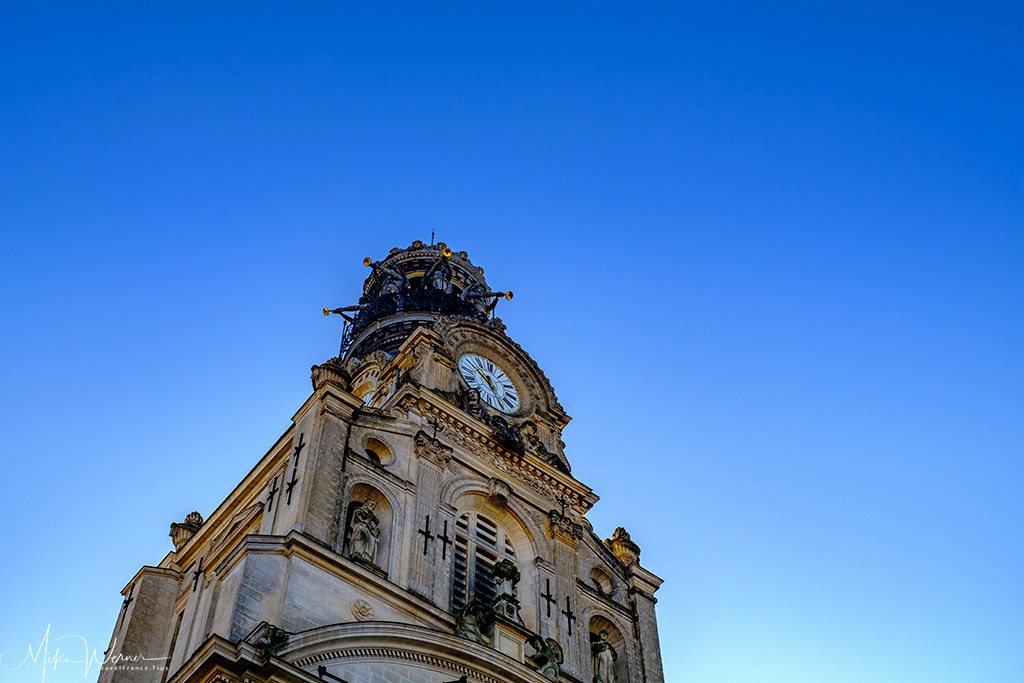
(417, 284)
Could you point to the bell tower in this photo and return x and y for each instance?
(418, 521)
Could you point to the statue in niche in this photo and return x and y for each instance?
(547, 658)
(603, 657)
(439, 276)
(471, 620)
(364, 532)
(390, 280)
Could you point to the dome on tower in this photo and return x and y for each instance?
(412, 287)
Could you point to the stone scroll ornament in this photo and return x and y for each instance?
(364, 532)
(603, 658)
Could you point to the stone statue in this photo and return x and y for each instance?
(390, 280)
(471, 403)
(272, 639)
(478, 295)
(528, 431)
(363, 534)
(507, 435)
(439, 276)
(506, 577)
(547, 658)
(603, 658)
(470, 621)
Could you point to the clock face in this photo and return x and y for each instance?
(495, 388)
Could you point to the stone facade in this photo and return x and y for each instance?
(404, 529)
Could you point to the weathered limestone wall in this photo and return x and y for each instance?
(144, 630)
(260, 593)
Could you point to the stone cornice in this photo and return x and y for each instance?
(643, 581)
(465, 431)
(218, 660)
(603, 600)
(409, 643)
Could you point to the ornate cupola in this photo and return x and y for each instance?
(410, 288)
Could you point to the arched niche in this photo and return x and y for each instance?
(607, 647)
(378, 451)
(515, 543)
(602, 581)
(356, 527)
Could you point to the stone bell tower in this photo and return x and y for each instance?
(417, 523)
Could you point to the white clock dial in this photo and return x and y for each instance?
(494, 386)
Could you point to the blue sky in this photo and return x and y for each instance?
(771, 256)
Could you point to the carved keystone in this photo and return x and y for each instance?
(498, 492)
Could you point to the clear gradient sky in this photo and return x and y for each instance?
(770, 255)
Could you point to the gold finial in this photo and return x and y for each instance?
(446, 252)
(508, 295)
(367, 261)
(326, 312)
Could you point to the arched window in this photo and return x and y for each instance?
(479, 545)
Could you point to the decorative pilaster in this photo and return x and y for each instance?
(426, 559)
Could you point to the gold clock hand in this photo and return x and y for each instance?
(487, 379)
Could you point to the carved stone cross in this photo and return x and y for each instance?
(569, 613)
(548, 598)
(291, 485)
(425, 533)
(127, 601)
(435, 424)
(195, 576)
(443, 537)
(270, 495)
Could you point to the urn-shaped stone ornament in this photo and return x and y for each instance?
(625, 549)
(181, 532)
